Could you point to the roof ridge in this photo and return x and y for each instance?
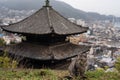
(49, 20)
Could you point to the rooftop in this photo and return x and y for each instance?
(45, 21)
(44, 52)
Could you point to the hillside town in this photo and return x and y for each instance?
(104, 38)
(8, 16)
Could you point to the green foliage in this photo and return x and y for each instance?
(6, 62)
(27, 75)
(102, 75)
(117, 64)
(47, 74)
(2, 42)
(95, 74)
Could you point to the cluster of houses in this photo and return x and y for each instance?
(11, 38)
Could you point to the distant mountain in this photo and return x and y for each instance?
(63, 8)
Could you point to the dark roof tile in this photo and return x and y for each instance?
(45, 21)
(44, 52)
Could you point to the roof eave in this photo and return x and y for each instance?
(85, 30)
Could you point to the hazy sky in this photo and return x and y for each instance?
(101, 6)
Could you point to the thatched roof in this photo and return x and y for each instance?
(45, 21)
(45, 52)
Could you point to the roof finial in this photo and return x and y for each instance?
(47, 3)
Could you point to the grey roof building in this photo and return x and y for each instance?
(46, 31)
(45, 21)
